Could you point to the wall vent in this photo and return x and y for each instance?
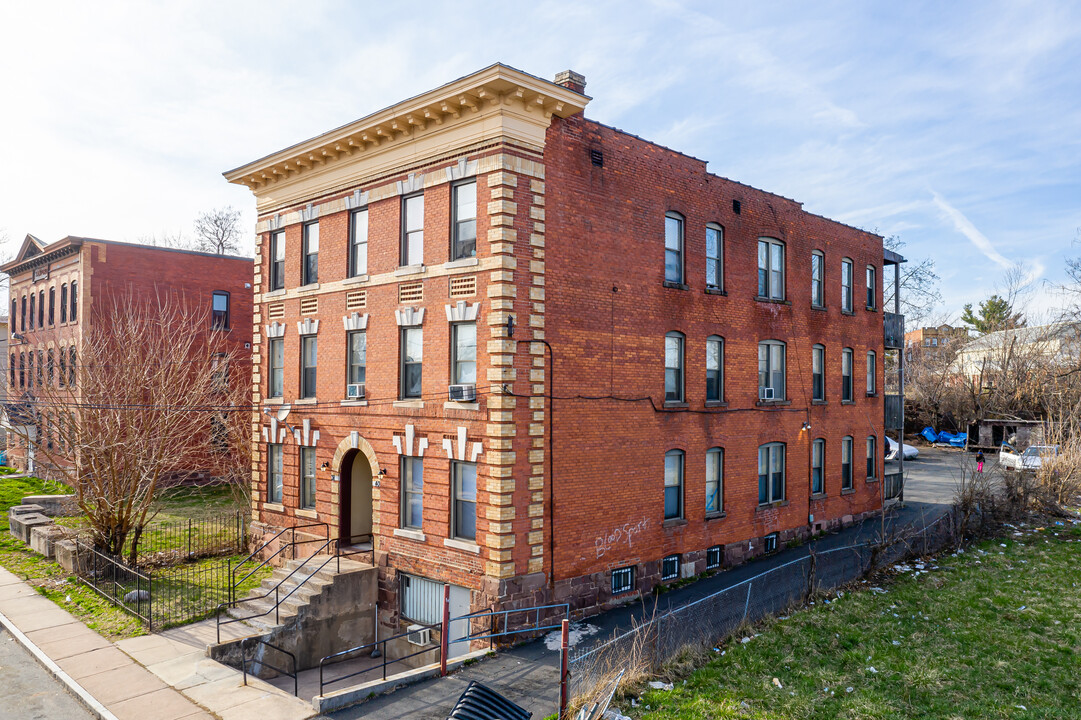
(411, 292)
(463, 286)
(309, 306)
(736, 207)
(596, 157)
(356, 300)
(276, 311)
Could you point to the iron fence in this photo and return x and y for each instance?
(168, 542)
(715, 617)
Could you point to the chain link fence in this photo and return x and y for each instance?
(707, 621)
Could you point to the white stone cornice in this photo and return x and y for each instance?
(356, 321)
(462, 311)
(409, 316)
(275, 330)
(308, 326)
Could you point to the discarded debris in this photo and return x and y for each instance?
(658, 685)
(778, 683)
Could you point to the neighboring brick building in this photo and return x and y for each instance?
(59, 290)
(679, 367)
(934, 338)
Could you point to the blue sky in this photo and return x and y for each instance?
(956, 126)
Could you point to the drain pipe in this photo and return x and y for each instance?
(375, 651)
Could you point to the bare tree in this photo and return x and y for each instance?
(218, 231)
(920, 296)
(166, 239)
(144, 398)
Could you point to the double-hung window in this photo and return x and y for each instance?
(818, 279)
(276, 374)
(846, 285)
(673, 484)
(673, 248)
(310, 269)
(22, 316)
(846, 375)
(73, 310)
(465, 501)
(274, 473)
(412, 355)
(61, 377)
(307, 477)
(308, 365)
(818, 373)
(771, 373)
(358, 243)
(219, 311)
(63, 304)
(277, 260)
(818, 459)
(771, 473)
(412, 492)
(714, 256)
(52, 306)
(41, 308)
(464, 204)
(714, 480)
(358, 356)
(770, 269)
(33, 304)
(871, 367)
(413, 230)
(673, 367)
(714, 369)
(846, 463)
(464, 348)
(872, 457)
(71, 366)
(872, 273)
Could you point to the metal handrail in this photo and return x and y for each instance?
(493, 613)
(340, 656)
(292, 545)
(244, 662)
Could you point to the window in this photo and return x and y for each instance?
(412, 361)
(358, 243)
(33, 297)
(310, 268)
(673, 367)
(219, 313)
(871, 274)
(464, 356)
(714, 480)
(818, 373)
(22, 316)
(818, 474)
(872, 457)
(219, 373)
(673, 484)
(412, 492)
(871, 386)
(11, 369)
(934, 341)
(63, 303)
(274, 473)
(846, 285)
(51, 367)
(41, 309)
(846, 463)
(14, 313)
(769, 543)
(413, 230)
(714, 369)
(52, 306)
(673, 248)
(72, 314)
(71, 366)
(465, 221)
(276, 376)
(670, 567)
(358, 356)
(464, 525)
(41, 368)
(422, 599)
(714, 256)
(622, 580)
(846, 375)
(307, 477)
(818, 279)
(771, 380)
(770, 269)
(308, 362)
(277, 260)
(22, 370)
(30, 369)
(770, 473)
(713, 557)
(62, 376)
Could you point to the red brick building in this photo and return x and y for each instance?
(58, 291)
(538, 358)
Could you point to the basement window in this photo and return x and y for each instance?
(713, 557)
(622, 580)
(770, 543)
(670, 567)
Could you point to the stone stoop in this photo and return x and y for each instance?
(326, 611)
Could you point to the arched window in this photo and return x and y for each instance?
(818, 279)
(714, 369)
(846, 285)
(846, 375)
(818, 373)
(673, 248)
(714, 256)
(714, 481)
(673, 484)
(673, 367)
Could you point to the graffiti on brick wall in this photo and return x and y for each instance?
(625, 534)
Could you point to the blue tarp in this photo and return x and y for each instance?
(929, 434)
(944, 438)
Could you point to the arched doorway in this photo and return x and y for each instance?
(355, 502)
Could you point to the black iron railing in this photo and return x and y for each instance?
(381, 645)
(257, 642)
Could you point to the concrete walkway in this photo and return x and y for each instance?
(163, 676)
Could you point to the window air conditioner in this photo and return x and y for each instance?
(463, 393)
(419, 635)
(354, 391)
(766, 393)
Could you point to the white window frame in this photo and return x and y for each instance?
(771, 459)
(767, 372)
(717, 358)
(818, 279)
(872, 372)
(714, 557)
(275, 368)
(818, 464)
(818, 373)
(351, 363)
(872, 283)
(679, 224)
(715, 481)
(307, 477)
(872, 457)
(277, 260)
(310, 274)
(847, 389)
(404, 365)
(846, 285)
(673, 478)
(771, 279)
(459, 472)
(460, 223)
(846, 463)
(463, 370)
(275, 474)
(358, 242)
(412, 236)
(309, 389)
(715, 261)
(675, 344)
(408, 469)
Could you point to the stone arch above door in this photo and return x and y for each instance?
(353, 441)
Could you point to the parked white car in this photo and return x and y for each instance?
(1031, 459)
(910, 452)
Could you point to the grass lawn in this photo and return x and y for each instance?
(993, 632)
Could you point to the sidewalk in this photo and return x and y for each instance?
(163, 676)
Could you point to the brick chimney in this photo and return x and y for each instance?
(572, 81)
